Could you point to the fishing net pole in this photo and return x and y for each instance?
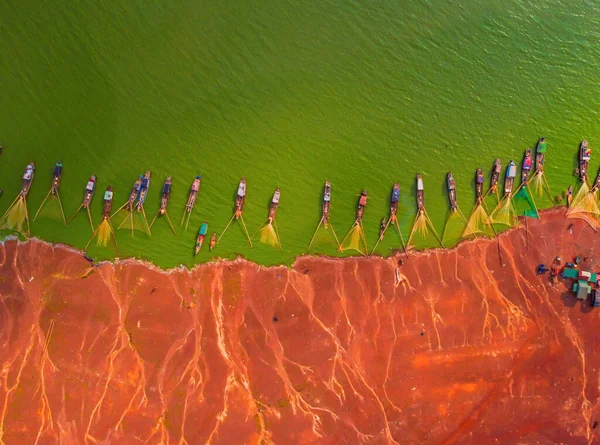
(89, 214)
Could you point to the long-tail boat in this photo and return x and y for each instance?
(382, 226)
(526, 166)
(57, 175)
(108, 199)
(200, 238)
(420, 194)
(326, 203)
(585, 155)
(394, 200)
(27, 179)
(165, 193)
(479, 184)
(213, 241)
(240, 198)
(90, 188)
(135, 191)
(274, 205)
(496, 171)
(511, 173)
(194, 189)
(362, 203)
(451, 192)
(540, 154)
(144, 185)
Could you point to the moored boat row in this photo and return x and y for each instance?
(140, 189)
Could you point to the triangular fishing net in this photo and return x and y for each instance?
(478, 223)
(524, 204)
(504, 213)
(355, 240)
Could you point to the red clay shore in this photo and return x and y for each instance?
(471, 347)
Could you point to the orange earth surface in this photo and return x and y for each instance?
(470, 347)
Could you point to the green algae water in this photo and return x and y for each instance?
(288, 95)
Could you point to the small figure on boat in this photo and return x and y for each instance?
(511, 173)
(240, 200)
(213, 241)
(200, 238)
(451, 192)
(526, 166)
(326, 207)
(164, 203)
(191, 202)
(17, 216)
(53, 193)
(479, 185)
(585, 154)
(88, 194)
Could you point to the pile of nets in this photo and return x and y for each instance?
(585, 206)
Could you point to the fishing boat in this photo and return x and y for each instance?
(213, 241)
(479, 184)
(90, 188)
(165, 193)
(56, 178)
(200, 237)
(240, 198)
(362, 203)
(382, 226)
(394, 201)
(326, 203)
(420, 194)
(143, 192)
(496, 171)
(585, 154)
(108, 198)
(194, 189)
(451, 191)
(27, 179)
(526, 166)
(135, 190)
(540, 153)
(511, 173)
(274, 205)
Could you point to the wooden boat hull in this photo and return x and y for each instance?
(199, 242)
